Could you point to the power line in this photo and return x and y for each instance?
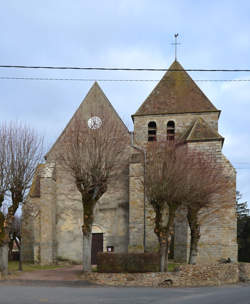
(114, 80)
(75, 79)
(119, 69)
(242, 168)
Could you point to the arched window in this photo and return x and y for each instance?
(170, 130)
(152, 129)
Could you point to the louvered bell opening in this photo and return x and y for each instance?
(170, 130)
(152, 130)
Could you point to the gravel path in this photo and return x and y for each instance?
(66, 276)
(68, 273)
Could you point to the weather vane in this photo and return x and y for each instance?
(175, 44)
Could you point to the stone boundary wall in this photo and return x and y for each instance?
(186, 275)
(244, 269)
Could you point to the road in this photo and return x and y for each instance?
(237, 294)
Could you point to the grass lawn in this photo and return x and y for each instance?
(171, 266)
(13, 266)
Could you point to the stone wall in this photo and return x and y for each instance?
(182, 123)
(52, 231)
(31, 228)
(186, 275)
(244, 269)
(136, 203)
(110, 217)
(48, 214)
(218, 220)
(27, 234)
(56, 233)
(181, 236)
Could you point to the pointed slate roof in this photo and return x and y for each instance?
(201, 131)
(176, 93)
(94, 101)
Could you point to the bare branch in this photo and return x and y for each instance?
(94, 152)
(20, 152)
(177, 175)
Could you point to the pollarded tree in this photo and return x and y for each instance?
(94, 152)
(205, 179)
(165, 178)
(21, 151)
(4, 186)
(179, 176)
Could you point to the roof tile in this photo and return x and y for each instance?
(201, 131)
(176, 93)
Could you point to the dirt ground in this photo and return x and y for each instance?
(67, 273)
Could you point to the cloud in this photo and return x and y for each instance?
(233, 98)
(213, 34)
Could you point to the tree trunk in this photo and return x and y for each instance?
(163, 249)
(169, 230)
(4, 251)
(195, 235)
(193, 250)
(20, 262)
(166, 256)
(87, 244)
(88, 210)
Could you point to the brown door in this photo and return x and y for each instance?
(97, 245)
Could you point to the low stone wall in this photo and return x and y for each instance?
(244, 272)
(186, 275)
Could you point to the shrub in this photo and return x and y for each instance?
(127, 262)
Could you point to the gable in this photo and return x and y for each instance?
(94, 104)
(176, 93)
(201, 131)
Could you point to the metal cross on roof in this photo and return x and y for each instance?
(175, 44)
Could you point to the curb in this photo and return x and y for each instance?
(50, 283)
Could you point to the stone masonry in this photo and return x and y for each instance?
(52, 215)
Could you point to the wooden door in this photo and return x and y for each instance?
(97, 245)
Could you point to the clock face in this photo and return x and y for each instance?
(94, 122)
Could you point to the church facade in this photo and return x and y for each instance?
(124, 220)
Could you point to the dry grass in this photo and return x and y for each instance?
(13, 266)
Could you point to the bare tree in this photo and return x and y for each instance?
(205, 179)
(21, 152)
(179, 176)
(166, 165)
(4, 186)
(241, 207)
(94, 153)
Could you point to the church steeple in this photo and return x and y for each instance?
(176, 93)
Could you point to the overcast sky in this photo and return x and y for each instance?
(125, 33)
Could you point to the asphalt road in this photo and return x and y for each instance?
(238, 294)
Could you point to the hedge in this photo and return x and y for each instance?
(127, 262)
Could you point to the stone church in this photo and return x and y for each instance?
(123, 221)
